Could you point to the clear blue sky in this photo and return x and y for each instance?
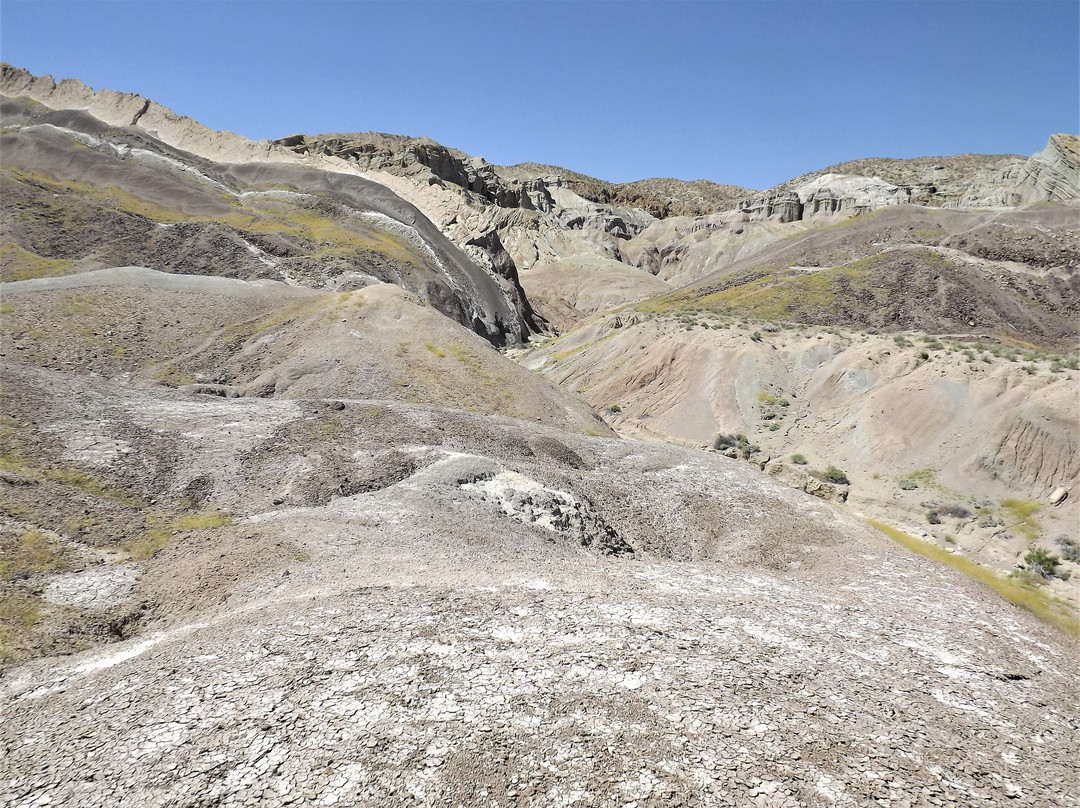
(749, 93)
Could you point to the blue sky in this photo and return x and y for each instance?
(735, 92)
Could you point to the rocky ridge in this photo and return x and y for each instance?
(257, 219)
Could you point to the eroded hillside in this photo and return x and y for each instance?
(280, 525)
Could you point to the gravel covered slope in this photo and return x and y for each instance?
(413, 606)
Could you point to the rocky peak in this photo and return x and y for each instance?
(372, 151)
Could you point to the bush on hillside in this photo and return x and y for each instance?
(1043, 563)
(955, 511)
(834, 475)
(1070, 550)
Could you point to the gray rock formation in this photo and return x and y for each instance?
(1052, 175)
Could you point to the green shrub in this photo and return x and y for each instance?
(798, 460)
(739, 442)
(933, 518)
(1042, 562)
(834, 475)
(908, 485)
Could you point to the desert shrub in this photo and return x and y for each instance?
(1070, 550)
(614, 408)
(768, 416)
(955, 511)
(770, 328)
(908, 485)
(1042, 562)
(773, 427)
(722, 441)
(988, 520)
(923, 355)
(933, 518)
(756, 336)
(738, 442)
(784, 402)
(798, 460)
(902, 341)
(834, 475)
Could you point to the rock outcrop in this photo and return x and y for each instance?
(1052, 175)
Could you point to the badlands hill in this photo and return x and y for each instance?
(281, 525)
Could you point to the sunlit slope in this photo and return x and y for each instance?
(978, 422)
(81, 195)
(1006, 275)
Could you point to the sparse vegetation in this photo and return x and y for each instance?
(1048, 609)
(1020, 516)
(1043, 563)
(798, 460)
(32, 551)
(834, 475)
(738, 442)
(1070, 549)
(159, 534)
(925, 478)
(17, 264)
(954, 511)
(68, 475)
(908, 485)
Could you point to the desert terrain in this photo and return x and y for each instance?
(349, 469)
